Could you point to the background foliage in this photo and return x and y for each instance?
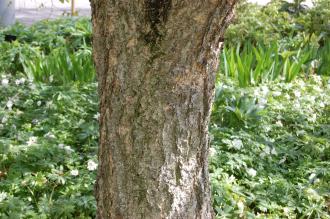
(57, 50)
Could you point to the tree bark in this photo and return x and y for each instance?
(156, 62)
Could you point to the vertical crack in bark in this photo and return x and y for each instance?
(156, 15)
(157, 10)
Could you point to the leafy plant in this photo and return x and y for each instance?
(48, 143)
(236, 110)
(61, 66)
(57, 50)
(252, 65)
(278, 166)
(323, 67)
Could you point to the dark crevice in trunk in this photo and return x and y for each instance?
(156, 12)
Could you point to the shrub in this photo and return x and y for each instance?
(58, 50)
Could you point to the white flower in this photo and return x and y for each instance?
(213, 152)
(322, 105)
(240, 206)
(252, 172)
(237, 143)
(279, 106)
(300, 132)
(74, 172)
(296, 105)
(20, 81)
(32, 86)
(262, 101)
(68, 149)
(312, 176)
(286, 211)
(225, 86)
(297, 93)
(97, 116)
(282, 160)
(61, 146)
(287, 86)
(51, 78)
(91, 165)
(267, 150)
(256, 93)
(262, 154)
(312, 118)
(39, 103)
(317, 78)
(279, 123)
(4, 120)
(274, 152)
(314, 63)
(282, 78)
(3, 196)
(4, 82)
(301, 83)
(231, 179)
(49, 135)
(312, 194)
(9, 104)
(267, 128)
(309, 99)
(318, 89)
(277, 93)
(264, 89)
(32, 140)
(49, 104)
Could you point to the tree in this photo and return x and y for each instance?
(7, 12)
(156, 62)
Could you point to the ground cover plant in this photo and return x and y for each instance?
(48, 143)
(269, 157)
(57, 51)
(280, 39)
(279, 22)
(271, 149)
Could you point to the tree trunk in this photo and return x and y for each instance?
(7, 12)
(156, 62)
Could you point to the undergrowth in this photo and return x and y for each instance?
(271, 149)
(269, 157)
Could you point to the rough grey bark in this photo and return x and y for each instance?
(156, 62)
